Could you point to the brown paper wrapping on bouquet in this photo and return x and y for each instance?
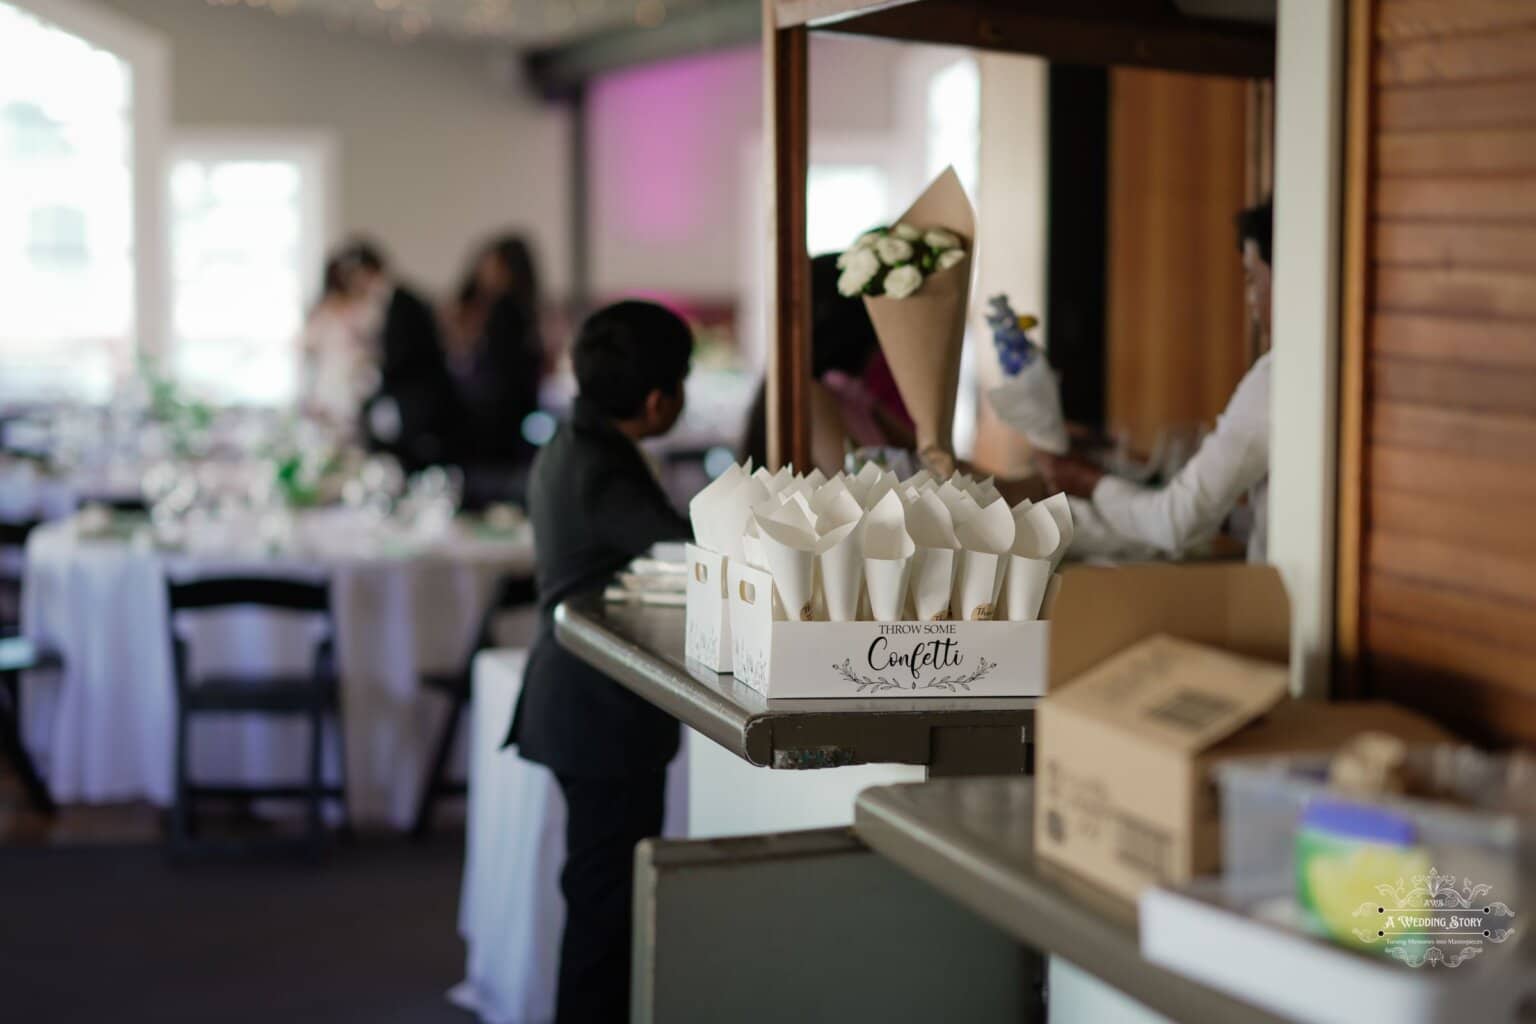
(923, 335)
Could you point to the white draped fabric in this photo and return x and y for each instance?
(510, 911)
(104, 731)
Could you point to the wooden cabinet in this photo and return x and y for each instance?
(1139, 33)
(1438, 556)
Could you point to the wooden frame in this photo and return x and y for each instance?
(1355, 302)
(1148, 33)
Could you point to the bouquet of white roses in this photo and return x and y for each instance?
(916, 284)
(895, 261)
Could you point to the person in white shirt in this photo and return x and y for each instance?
(1119, 518)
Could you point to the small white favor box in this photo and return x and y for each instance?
(784, 659)
(708, 632)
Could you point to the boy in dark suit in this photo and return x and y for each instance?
(594, 506)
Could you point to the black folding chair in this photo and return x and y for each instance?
(315, 696)
(13, 547)
(18, 655)
(512, 593)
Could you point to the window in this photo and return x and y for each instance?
(67, 315)
(954, 121)
(842, 202)
(246, 236)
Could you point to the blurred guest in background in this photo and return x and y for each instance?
(412, 415)
(595, 506)
(338, 358)
(854, 397)
(496, 353)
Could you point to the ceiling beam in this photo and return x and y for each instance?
(1138, 33)
(695, 29)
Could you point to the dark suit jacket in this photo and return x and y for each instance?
(413, 373)
(594, 506)
(501, 386)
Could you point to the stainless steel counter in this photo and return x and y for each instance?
(973, 839)
(642, 648)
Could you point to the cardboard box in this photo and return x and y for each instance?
(707, 635)
(792, 659)
(1187, 668)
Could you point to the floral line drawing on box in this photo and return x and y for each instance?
(880, 684)
(751, 667)
(703, 642)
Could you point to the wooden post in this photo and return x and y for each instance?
(1349, 549)
(787, 73)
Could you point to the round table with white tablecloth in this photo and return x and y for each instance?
(402, 604)
(511, 913)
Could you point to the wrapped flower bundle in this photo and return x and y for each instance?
(1029, 399)
(896, 260)
(915, 278)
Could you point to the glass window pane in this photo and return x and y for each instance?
(66, 213)
(842, 202)
(954, 121)
(238, 265)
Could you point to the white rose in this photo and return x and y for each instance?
(906, 232)
(938, 238)
(861, 267)
(903, 281)
(950, 257)
(893, 251)
(868, 239)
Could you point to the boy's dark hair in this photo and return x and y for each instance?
(1257, 225)
(627, 350)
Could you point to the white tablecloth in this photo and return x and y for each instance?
(510, 911)
(27, 492)
(104, 732)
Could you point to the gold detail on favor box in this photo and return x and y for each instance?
(805, 612)
(981, 613)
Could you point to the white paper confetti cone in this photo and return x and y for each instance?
(1061, 511)
(842, 572)
(791, 558)
(1035, 533)
(1025, 587)
(752, 552)
(932, 531)
(888, 551)
(986, 538)
(932, 583)
(960, 504)
(887, 580)
(835, 506)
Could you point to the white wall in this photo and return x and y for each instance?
(436, 144)
(675, 149)
(1309, 110)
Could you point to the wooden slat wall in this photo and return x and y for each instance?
(1179, 170)
(1447, 575)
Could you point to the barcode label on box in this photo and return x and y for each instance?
(1191, 710)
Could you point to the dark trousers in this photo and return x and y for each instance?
(605, 818)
